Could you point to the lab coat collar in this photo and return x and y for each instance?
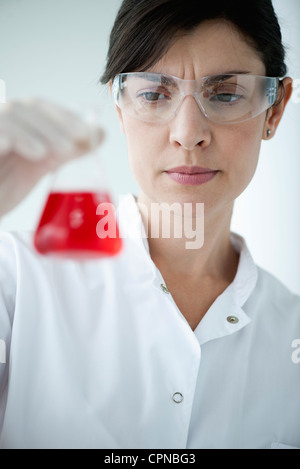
(216, 322)
(247, 274)
(226, 315)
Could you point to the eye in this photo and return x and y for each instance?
(224, 93)
(154, 96)
(226, 98)
(150, 96)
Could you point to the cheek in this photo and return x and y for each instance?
(240, 157)
(144, 144)
(244, 146)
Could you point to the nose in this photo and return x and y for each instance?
(190, 128)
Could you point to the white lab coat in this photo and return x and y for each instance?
(99, 356)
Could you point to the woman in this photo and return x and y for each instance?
(164, 346)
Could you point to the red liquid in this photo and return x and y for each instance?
(70, 226)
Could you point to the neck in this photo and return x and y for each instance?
(186, 258)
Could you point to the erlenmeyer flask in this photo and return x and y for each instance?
(78, 220)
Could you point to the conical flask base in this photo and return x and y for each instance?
(78, 225)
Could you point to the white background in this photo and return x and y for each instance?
(56, 50)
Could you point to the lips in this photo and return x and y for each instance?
(190, 170)
(191, 175)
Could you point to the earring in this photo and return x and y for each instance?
(269, 133)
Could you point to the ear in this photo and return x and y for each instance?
(276, 112)
(119, 112)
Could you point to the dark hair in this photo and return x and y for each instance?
(143, 31)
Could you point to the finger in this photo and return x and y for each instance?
(42, 129)
(71, 123)
(62, 140)
(36, 129)
(68, 121)
(20, 141)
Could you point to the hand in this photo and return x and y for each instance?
(37, 136)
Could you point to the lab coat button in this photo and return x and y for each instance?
(233, 319)
(164, 288)
(177, 397)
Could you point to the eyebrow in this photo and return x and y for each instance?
(167, 78)
(235, 72)
(161, 78)
(228, 73)
(223, 76)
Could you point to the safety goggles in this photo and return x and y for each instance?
(226, 98)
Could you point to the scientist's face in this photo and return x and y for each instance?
(189, 138)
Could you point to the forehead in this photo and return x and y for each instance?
(213, 47)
